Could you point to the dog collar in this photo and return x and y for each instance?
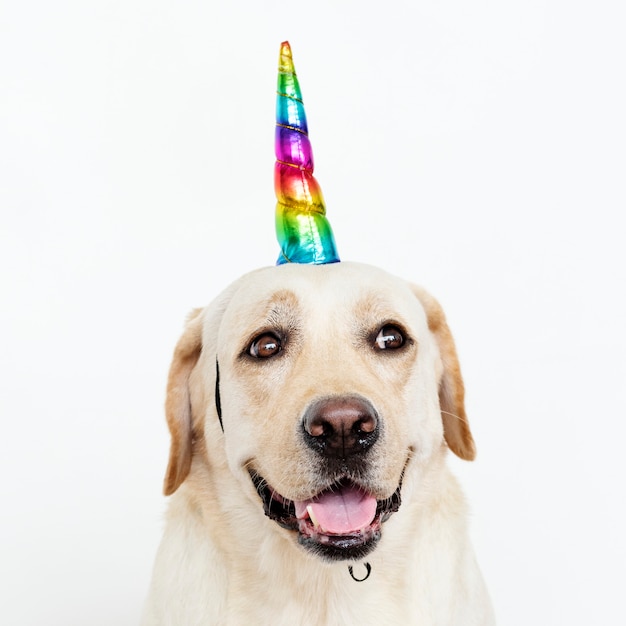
(368, 571)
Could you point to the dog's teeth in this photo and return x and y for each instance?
(309, 510)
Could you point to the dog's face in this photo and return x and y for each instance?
(329, 383)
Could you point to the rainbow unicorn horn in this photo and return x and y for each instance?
(303, 232)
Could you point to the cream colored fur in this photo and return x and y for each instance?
(222, 561)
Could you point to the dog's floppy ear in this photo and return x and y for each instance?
(451, 390)
(178, 402)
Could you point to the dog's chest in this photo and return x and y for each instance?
(321, 601)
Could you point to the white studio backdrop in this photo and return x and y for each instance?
(476, 148)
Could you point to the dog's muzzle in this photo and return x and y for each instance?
(343, 520)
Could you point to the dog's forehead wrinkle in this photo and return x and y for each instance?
(271, 305)
(284, 311)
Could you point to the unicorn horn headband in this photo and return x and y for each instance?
(303, 232)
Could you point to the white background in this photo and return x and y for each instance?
(475, 147)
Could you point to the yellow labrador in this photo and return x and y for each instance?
(311, 409)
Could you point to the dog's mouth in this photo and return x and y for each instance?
(341, 522)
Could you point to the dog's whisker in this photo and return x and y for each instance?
(458, 417)
(276, 497)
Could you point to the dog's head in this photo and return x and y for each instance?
(318, 387)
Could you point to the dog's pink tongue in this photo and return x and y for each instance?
(340, 511)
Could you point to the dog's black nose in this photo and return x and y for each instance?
(341, 426)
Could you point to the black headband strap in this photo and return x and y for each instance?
(218, 401)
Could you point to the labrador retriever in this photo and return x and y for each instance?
(311, 409)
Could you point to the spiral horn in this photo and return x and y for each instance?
(303, 232)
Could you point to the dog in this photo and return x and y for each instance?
(311, 410)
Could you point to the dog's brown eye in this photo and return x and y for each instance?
(265, 346)
(389, 338)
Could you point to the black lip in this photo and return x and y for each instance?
(329, 547)
(342, 547)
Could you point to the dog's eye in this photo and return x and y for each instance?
(389, 338)
(265, 346)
